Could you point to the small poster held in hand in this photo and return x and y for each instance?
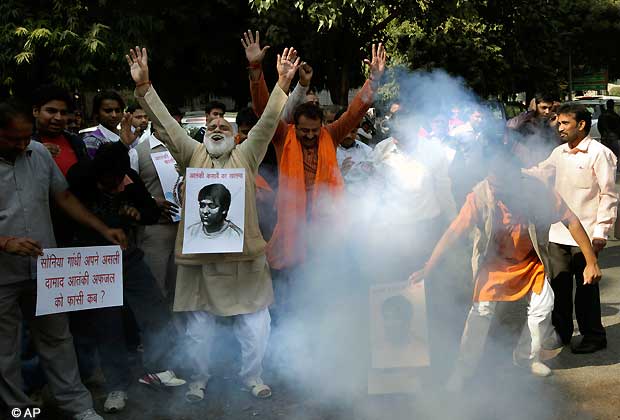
(214, 211)
(169, 178)
(73, 279)
(398, 328)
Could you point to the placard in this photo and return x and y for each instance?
(398, 328)
(72, 279)
(169, 178)
(214, 210)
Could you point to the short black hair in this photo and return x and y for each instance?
(47, 93)
(132, 107)
(609, 105)
(580, 112)
(308, 110)
(12, 110)
(102, 96)
(246, 116)
(111, 159)
(545, 97)
(211, 105)
(216, 190)
(397, 307)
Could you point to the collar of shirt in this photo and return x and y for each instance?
(108, 134)
(581, 147)
(154, 141)
(27, 153)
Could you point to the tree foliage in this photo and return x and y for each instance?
(498, 47)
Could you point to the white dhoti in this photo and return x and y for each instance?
(251, 330)
(479, 321)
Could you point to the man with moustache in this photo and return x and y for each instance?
(584, 173)
(307, 161)
(234, 285)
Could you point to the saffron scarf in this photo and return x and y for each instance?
(287, 247)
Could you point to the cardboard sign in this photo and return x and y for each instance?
(169, 178)
(214, 211)
(398, 328)
(72, 279)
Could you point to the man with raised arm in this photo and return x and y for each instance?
(234, 284)
(308, 167)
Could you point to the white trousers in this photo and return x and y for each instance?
(252, 331)
(479, 321)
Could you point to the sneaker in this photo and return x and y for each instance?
(196, 391)
(115, 402)
(161, 379)
(536, 368)
(89, 414)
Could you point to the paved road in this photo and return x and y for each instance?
(582, 387)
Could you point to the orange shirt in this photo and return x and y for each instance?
(512, 268)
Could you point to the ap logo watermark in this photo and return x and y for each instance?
(25, 413)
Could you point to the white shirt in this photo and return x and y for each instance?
(109, 135)
(358, 152)
(134, 160)
(585, 177)
(409, 191)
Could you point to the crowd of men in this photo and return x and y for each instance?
(539, 197)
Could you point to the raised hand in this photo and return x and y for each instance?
(138, 65)
(287, 64)
(305, 74)
(127, 136)
(377, 62)
(253, 51)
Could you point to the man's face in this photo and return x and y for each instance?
(307, 131)
(218, 138)
(244, 129)
(570, 130)
(51, 118)
(311, 97)
(475, 119)
(72, 124)
(350, 138)
(439, 126)
(110, 114)
(139, 119)
(212, 213)
(15, 138)
(215, 113)
(328, 117)
(543, 109)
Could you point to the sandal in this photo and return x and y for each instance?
(196, 391)
(259, 389)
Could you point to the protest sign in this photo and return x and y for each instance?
(72, 279)
(168, 178)
(398, 329)
(214, 210)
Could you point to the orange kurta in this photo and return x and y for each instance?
(512, 268)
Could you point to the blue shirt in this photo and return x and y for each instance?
(25, 194)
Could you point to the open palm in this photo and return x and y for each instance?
(288, 63)
(138, 64)
(253, 51)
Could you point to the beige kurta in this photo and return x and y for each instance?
(223, 284)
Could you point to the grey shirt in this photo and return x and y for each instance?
(24, 207)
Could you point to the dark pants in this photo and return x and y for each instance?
(568, 262)
(105, 327)
(53, 342)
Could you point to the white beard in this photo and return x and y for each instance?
(220, 147)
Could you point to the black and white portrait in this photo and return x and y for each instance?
(398, 326)
(215, 201)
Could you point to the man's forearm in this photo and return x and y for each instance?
(76, 210)
(583, 241)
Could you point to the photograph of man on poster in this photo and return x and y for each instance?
(213, 205)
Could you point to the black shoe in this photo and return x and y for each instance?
(589, 346)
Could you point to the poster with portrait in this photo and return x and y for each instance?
(398, 328)
(169, 178)
(214, 211)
